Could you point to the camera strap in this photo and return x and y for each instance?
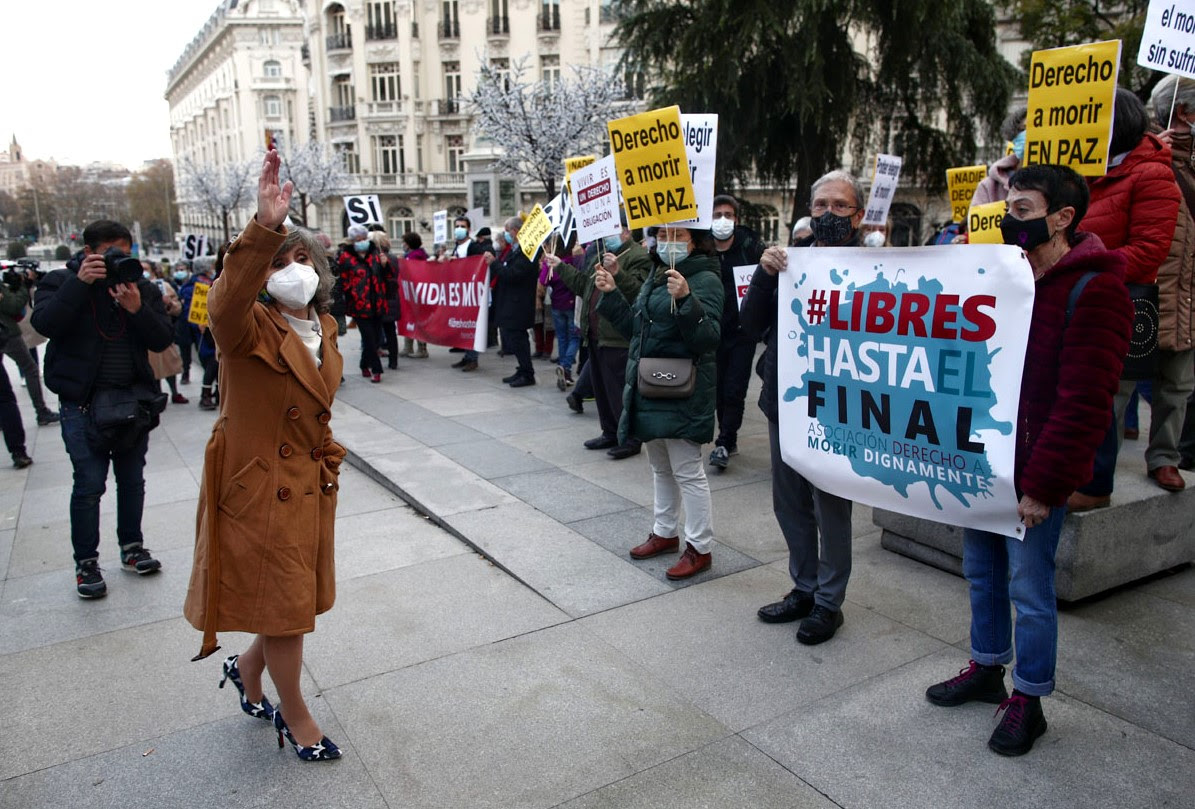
(124, 325)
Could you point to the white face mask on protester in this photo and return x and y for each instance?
(294, 285)
(874, 239)
(722, 228)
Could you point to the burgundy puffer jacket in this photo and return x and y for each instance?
(1134, 208)
(1071, 371)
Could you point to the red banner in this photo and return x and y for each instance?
(444, 302)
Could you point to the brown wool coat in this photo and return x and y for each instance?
(267, 502)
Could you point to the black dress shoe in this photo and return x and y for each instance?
(601, 442)
(792, 607)
(506, 380)
(522, 382)
(574, 403)
(623, 451)
(820, 626)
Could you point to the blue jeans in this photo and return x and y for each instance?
(1004, 571)
(568, 337)
(91, 476)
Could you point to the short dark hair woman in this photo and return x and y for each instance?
(1078, 338)
(267, 502)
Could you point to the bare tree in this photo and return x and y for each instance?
(317, 173)
(220, 189)
(539, 123)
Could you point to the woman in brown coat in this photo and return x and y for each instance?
(267, 502)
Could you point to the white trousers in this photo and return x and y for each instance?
(679, 476)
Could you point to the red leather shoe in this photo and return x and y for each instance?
(691, 563)
(1168, 478)
(655, 546)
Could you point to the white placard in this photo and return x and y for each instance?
(363, 209)
(742, 280)
(440, 227)
(476, 217)
(1168, 40)
(700, 132)
(883, 188)
(899, 377)
(595, 200)
(194, 245)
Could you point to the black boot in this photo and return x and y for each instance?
(1023, 722)
(975, 683)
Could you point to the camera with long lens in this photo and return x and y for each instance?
(122, 268)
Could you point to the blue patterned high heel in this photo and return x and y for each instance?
(325, 750)
(258, 710)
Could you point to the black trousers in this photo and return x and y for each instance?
(390, 335)
(10, 417)
(734, 359)
(370, 329)
(516, 342)
(608, 370)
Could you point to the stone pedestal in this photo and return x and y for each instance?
(1146, 530)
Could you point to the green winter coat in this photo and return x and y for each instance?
(656, 331)
(634, 265)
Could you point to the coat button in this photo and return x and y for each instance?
(282, 361)
(325, 417)
(316, 454)
(285, 450)
(293, 413)
(284, 493)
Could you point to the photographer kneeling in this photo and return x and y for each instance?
(102, 317)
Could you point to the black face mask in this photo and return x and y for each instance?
(830, 228)
(1025, 233)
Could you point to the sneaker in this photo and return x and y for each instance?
(178, 398)
(137, 560)
(88, 580)
(561, 384)
(975, 683)
(1023, 722)
(20, 460)
(719, 458)
(820, 626)
(49, 417)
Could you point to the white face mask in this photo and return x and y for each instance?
(294, 285)
(722, 228)
(874, 239)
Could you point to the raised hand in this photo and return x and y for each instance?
(273, 200)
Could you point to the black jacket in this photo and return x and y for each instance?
(65, 312)
(758, 319)
(514, 295)
(744, 250)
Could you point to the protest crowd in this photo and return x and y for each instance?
(657, 323)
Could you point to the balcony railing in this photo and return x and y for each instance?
(449, 29)
(339, 42)
(446, 180)
(340, 114)
(549, 18)
(385, 31)
(498, 26)
(445, 106)
(375, 108)
(407, 180)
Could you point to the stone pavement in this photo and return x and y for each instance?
(533, 664)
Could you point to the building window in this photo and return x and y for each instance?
(342, 91)
(380, 20)
(339, 34)
(415, 81)
(273, 106)
(402, 220)
(450, 20)
(501, 68)
(388, 156)
(452, 87)
(549, 17)
(499, 17)
(384, 81)
(455, 149)
(272, 69)
(349, 159)
(549, 70)
(419, 153)
(507, 205)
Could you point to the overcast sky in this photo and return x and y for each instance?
(84, 79)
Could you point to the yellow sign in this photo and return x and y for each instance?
(653, 168)
(535, 229)
(571, 164)
(983, 223)
(1072, 94)
(198, 312)
(962, 183)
